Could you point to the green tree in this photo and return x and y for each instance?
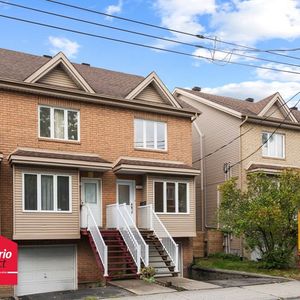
(265, 215)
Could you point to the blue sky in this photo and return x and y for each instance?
(262, 24)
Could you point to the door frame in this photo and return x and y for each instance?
(99, 182)
(132, 185)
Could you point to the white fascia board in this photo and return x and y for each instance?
(208, 103)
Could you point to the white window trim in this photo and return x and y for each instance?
(176, 197)
(66, 110)
(155, 135)
(39, 210)
(283, 146)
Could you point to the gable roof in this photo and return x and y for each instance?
(241, 107)
(19, 66)
(60, 60)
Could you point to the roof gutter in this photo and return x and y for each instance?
(40, 89)
(270, 122)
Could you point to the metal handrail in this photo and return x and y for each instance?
(101, 247)
(136, 233)
(151, 221)
(119, 221)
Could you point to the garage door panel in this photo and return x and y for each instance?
(46, 269)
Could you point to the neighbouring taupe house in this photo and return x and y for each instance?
(243, 126)
(96, 175)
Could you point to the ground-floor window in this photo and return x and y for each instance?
(171, 197)
(46, 192)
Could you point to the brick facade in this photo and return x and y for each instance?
(105, 131)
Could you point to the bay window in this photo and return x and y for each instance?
(171, 197)
(150, 134)
(273, 145)
(58, 123)
(46, 192)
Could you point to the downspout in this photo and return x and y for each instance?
(240, 176)
(203, 191)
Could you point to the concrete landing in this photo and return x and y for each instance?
(186, 284)
(140, 287)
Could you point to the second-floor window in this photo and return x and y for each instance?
(46, 192)
(58, 123)
(273, 145)
(150, 134)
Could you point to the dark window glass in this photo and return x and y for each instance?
(171, 197)
(159, 196)
(63, 193)
(182, 197)
(47, 192)
(73, 125)
(30, 192)
(45, 122)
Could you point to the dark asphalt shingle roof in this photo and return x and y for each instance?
(57, 155)
(242, 106)
(18, 66)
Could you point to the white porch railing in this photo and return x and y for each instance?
(148, 219)
(116, 219)
(101, 247)
(136, 233)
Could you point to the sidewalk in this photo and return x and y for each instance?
(284, 290)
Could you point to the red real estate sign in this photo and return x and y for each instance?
(8, 262)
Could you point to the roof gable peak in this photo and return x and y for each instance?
(60, 60)
(153, 80)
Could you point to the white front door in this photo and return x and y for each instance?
(126, 194)
(90, 195)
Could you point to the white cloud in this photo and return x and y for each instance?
(280, 76)
(254, 20)
(68, 47)
(234, 20)
(183, 15)
(258, 89)
(114, 9)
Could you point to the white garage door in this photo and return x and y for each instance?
(46, 269)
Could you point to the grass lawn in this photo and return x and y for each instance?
(233, 263)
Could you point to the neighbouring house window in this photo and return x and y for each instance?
(273, 145)
(58, 123)
(46, 192)
(171, 197)
(150, 134)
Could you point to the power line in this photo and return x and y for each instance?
(142, 45)
(242, 134)
(228, 54)
(169, 29)
(274, 131)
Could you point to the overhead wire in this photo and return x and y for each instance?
(226, 59)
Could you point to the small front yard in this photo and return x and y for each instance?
(231, 262)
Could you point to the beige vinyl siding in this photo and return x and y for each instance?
(45, 225)
(59, 77)
(251, 141)
(151, 94)
(218, 128)
(275, 112)
(196, 155)
(178, 225)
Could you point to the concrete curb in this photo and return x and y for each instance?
(241, 273)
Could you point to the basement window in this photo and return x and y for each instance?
(46, 193)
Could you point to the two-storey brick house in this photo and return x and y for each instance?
(96, 176)
(226, 143)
